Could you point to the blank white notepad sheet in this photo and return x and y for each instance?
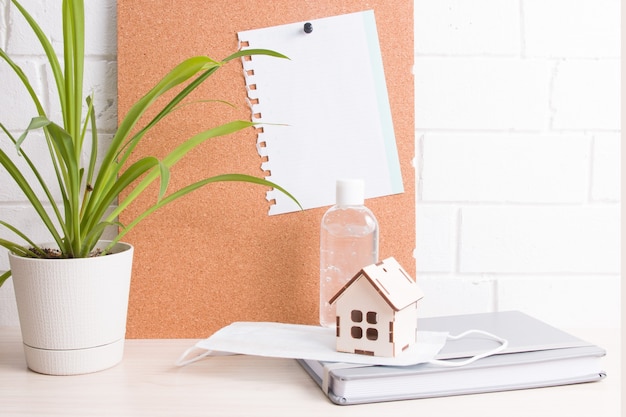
(325, 111)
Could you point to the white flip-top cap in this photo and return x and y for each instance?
(350, 192)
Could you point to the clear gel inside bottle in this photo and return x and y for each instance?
(348, 242)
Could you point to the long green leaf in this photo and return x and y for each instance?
(6, 275)
(131, 174)
(19, 250)
(58, 77)
(254, 51)
(40, 180)
(93, 153)
(130, 145)
(13, 247)
(73, 53)
(78, 45)
(22, 76)
(94, 236)
(193, 85)
(61, 148)
(36, 123)
(24, 185)
(181, 73)
(16, 231)
(49, 51)
(63, 142)
(174, 156)
(192, 187)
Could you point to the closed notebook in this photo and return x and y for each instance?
(538, 355)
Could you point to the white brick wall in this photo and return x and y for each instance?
(518, 143)
(606, 168)
(587, 95)
(505, 167)
(481, 93)
(566, 29)
(517, 163)
(538, 239)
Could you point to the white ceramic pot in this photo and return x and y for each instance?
(73, 311)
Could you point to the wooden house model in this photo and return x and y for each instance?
(377, 311)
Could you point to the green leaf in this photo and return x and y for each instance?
(24, 185)
(133, 172)
(94, 235)
(40, 180)
(18, 233)
(165, 179)
(192, 187)
(20, 250)
(173, 157)
(180, 74)
(253, 51)
(4, 277)
(35, 124)
(50, 54)
(93, 153)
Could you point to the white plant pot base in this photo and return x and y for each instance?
(75, 361)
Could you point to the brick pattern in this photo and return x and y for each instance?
(518, 141)
(517, 116)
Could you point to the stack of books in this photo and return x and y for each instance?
(538, 355)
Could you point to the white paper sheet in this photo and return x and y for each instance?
(331, 100)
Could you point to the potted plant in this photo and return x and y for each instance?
(72, 293)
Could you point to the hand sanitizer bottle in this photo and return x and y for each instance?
(348, 242)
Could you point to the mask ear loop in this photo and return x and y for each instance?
(503, 345)
(183, 360)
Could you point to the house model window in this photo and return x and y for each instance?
(377, 311)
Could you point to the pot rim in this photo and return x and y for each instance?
(117, 249)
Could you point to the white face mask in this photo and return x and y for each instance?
(296, 341)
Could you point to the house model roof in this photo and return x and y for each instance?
(391, 281)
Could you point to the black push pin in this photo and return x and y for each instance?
(308, 27)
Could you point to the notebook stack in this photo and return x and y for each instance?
(538, 355)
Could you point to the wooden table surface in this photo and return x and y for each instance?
(148, 383)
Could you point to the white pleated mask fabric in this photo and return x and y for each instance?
(295, 341)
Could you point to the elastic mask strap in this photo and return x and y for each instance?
(503, 345)
(182, 361)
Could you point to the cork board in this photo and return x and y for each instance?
(215, 256)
